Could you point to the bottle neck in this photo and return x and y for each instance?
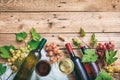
(72, 55)
(41, 44)
(39, 48)
(70, 50)
(83, 48)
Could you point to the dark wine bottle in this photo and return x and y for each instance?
(27, 67)
(91, 67)
(80, 71)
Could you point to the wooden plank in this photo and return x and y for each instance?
(7, 39)
(60, 5)
(116, 76)
(60, 22)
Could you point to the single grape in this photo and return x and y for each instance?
(9, 63)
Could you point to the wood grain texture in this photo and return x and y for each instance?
(52, 18)
(60, 5)
(10, 39)
(60, 22)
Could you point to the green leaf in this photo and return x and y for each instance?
(35, 35)
(99, 78)
(2, 69)
(10, 47)
(76, 42)
(89, 56)
(21, 36)
(82, 32)
(103, 76)
(113, 53)
(110, 56)
(94, 40)
(33, 44)
(107, 56)
(5, 51)
(110, 61)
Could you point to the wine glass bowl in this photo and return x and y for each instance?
(66, 66)
(43, 68)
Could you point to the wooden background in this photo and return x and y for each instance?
(61, 17)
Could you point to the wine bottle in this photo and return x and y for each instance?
(27, 67)
(80, 71)
(91, 67)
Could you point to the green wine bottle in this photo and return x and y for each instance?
(27, 67)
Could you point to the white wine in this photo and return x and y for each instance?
(27, 67)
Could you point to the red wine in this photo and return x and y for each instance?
(43, 68)
(80, 71)
(91, 68)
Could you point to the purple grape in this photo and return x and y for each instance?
(101, 48)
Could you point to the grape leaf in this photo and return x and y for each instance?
(2, 69)
(94, 40)
(103, 76)
(89, 56)
(110, 56)
(21, 36)
(5, 51)
(35, 35)
(82, 32)
(33, 44)
(10, 47)
(76, 42)
(113, 53)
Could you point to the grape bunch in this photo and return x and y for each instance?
(101, 49)
(53, 52)
(17, 56)
(109, 46)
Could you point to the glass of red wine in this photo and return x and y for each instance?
(43, 68)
